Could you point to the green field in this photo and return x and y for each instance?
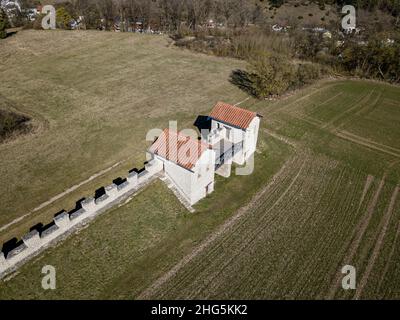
(324, 193)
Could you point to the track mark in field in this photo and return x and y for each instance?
(378, 244)
(368, 183)
(392, 102)
(370, 145)
(305, 118)
(367, 108)
(237, 248)
(310, 112)
(361, 101)
(363, 110)
(220, 231)
(389, 257)
(357, 236)
(349, 134)
(317, 90)
(281, 138)
(57, 197)
(330, 99)
(255, 233)
(239, 103)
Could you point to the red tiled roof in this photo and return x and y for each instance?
(178, 148)
(232, 115)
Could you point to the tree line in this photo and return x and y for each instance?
(4, 24)
(246, 35)
(167, 15)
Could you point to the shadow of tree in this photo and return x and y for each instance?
(242, 79)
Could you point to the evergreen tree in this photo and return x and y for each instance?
(3, 24)
(63, 18)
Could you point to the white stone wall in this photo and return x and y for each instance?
(251, 138)
(65, 223)
(203, 176)
(235, 134)
(192, 183)
(248, 136)
(181, 177)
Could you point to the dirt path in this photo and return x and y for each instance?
(314, 91)
(59, 196)
(381, 145)
(378, 244)
(389, 258)
(314, 108)
(360, 101)
(343, 134)
(281, 138)
(366, 144)
(368, 183)
(369, 107)
(357, 236)
(239, 103)
(306, 118)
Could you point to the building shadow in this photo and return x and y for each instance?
(10, 245)
(78, 206)
(37, 227)
(138, 171)
(203, 123)
(47, 227)
(59, 213)
(99, 193)
(119, 181)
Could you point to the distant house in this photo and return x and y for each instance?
(327, 34)
(389, 41)
(187, 162)
(211, 24)
(138, 27)
(31, 13)
(277, 28)
(78, 24)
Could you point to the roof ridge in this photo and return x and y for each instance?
(162, 146)
(233, 115)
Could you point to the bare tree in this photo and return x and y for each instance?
(198, 11)
(172, 13)
(225, 9)
(106, 10)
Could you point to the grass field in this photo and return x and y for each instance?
(324, 193)
(92, 99)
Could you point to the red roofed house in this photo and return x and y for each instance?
(190, 164)
(187, 162)
(234, 133)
